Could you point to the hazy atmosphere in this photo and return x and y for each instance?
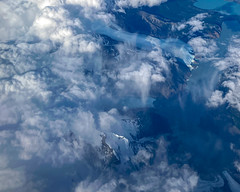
(119, 96)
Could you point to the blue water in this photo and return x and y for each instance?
(210, 4)
(223, 6)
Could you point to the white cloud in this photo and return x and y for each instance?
(140, 70)
(62, 100)
(16, 17)
(84, 127)
(142, 156)
(96, 186)
(41, 4)
(141, 79)
(163, 176)
(138, 3)
(8, 114)
(47, 68)
(53, 23)
(98, 4)
(195, 24)
(11, 179)
(229, 68)
(118, 132)
(204, 49)
(216, 99)
(33, 143)
(155, 176)
(83, 3)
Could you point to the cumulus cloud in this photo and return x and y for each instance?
(229, 69)
(216, 99)
(66, 105)
(195, 24)
(85, 3)
(29, 67)
(17, 17)
(63, 102)
(56, 50)
(138, 3)
(203, 48)
(144, 69)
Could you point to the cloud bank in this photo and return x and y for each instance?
(72, 83)
(229, 67)
(61, 99)
(138, 3)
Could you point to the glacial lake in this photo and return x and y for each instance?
(223, 6)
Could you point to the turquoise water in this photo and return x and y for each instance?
(230, 8)
(210, 4)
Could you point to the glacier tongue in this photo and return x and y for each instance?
(175, 47)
